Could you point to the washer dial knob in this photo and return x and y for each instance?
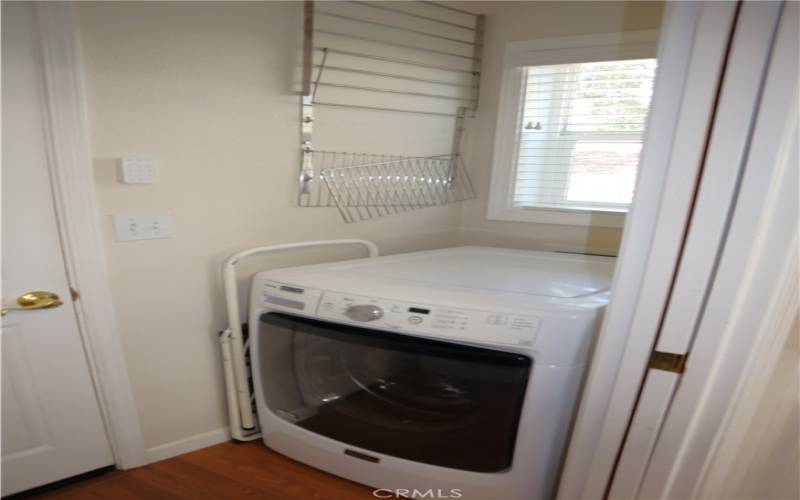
(364, 312)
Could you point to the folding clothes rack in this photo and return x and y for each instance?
(236, 348)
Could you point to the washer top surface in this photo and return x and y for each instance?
(466, 276)
(546, 274)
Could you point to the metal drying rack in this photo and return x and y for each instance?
(365, 185)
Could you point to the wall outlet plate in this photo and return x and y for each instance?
(137, 170)
(143, 226)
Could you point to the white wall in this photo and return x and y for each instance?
(207, 89)
(513, 21)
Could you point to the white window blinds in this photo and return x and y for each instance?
(580, 134)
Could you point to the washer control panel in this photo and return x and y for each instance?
(440, 321)
(285, 297)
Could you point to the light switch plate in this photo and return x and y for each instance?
(136, 170)
(143, 226)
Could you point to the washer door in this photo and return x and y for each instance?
(428, 401)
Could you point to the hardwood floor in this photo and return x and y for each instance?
(226, 471)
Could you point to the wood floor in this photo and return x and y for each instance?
(226, 471)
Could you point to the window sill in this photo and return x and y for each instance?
(562, 217)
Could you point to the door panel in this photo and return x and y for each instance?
(665, 425)
(51, 422)
(23, 412)
(758, 251)
(692, 50)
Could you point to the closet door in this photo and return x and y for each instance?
(741, 238)
(693, 49)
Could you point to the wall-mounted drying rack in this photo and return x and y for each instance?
(417, 59)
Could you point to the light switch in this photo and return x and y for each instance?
(136, 170)
(143, 226)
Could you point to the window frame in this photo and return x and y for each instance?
(562, 50)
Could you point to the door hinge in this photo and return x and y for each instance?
(74, 294)
(668, 361)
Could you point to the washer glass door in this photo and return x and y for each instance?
(433, 402)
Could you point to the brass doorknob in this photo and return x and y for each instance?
(34, 300)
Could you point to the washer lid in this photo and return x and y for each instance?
(548, 274)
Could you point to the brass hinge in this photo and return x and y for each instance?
(74, 294)
(668, 361)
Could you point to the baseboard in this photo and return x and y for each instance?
(192, 443)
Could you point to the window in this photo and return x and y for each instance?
(570, 128)
(581, 134)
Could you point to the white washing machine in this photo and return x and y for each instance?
(442, 374)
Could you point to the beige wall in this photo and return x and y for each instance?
(513, 21)
(206, 89)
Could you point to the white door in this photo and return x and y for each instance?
(52, 427)
(737, 249)
(691, 61)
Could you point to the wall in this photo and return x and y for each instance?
(514, 21)
(206, 89)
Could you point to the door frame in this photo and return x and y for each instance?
(78, 218)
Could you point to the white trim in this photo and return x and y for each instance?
(79, 226)
(186, 445)
(583, 48)
(691, 53)
(562, 50)
(553, 216)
